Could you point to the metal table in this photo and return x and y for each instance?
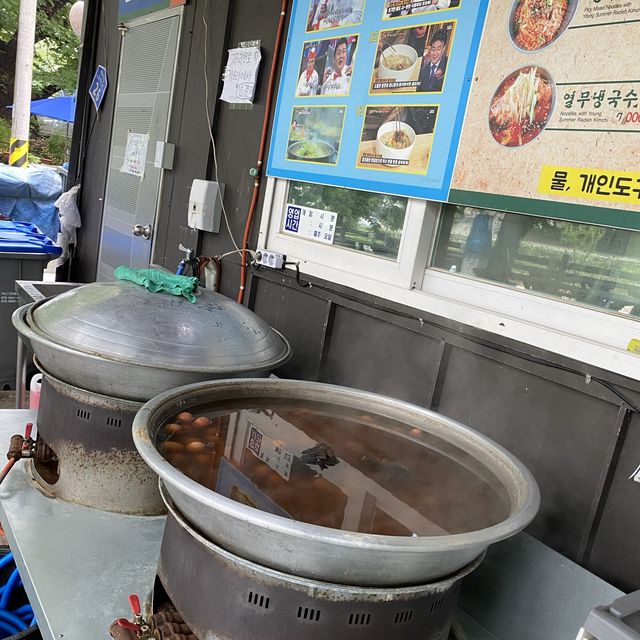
(78, 565)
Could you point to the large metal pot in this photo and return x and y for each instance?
(323, 553)
(119, 340)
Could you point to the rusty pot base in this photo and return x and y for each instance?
(85, 452)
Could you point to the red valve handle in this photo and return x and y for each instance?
(125, 624)
(135, 604)
(29, 428)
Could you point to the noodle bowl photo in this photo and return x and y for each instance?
(398, 63)
(522, 106)
(535, 24)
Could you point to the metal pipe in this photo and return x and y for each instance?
(263, 143)
(19, 150)
(21, 374)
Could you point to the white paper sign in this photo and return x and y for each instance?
(240, 75)
(314, 224)
(135, 155)
(270, 451)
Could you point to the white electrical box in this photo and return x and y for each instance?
(205, 205)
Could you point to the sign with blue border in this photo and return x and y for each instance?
(99, 86)
(373, 93)
(129, 9)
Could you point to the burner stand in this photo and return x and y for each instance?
(224, 597)
(85, 451)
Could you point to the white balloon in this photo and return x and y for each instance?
(76, 15)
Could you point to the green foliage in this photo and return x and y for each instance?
(57, 149)
(5, 135)
(55, 62)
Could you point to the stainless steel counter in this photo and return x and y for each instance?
(78, 564)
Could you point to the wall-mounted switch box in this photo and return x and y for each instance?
(205, 205)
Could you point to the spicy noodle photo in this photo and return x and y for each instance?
(522, 106)
(535, 24)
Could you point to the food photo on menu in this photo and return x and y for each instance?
(535, 24)
(329, 14)
(397, 138)
(413, 60)
(521, 106)
(326, 67)
(401, 8)
(315, 134)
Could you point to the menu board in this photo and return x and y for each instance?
(554, 112)
(373, 93)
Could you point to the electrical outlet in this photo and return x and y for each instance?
(270, 259)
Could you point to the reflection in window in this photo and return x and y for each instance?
(367, 222)
(586, 264)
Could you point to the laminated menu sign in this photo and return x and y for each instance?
(372, 94)
(554, 113)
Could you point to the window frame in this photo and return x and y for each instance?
(594, 336)
(316, 257)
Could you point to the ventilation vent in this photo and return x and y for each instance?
(359, 619)
(436, 605)
(258, 600)
(83, 414)
(403, 616)
(310, 615)
(114, 422)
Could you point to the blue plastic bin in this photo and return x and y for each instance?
(24, 253)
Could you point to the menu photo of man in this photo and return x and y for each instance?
(412, 60)
(329, 14)
(327, 66)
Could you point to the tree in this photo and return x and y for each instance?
(55, 62)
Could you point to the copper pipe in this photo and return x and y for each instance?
(263, 144)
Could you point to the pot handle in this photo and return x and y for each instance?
(19, 322)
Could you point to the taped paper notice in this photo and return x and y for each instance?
(135, 155)
(240, 75)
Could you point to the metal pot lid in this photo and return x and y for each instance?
(124, 322)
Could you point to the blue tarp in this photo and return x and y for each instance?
(29, 194)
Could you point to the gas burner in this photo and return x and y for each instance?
(252, 601)
(85, 451)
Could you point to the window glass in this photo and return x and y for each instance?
(366, 222)
(586, 264)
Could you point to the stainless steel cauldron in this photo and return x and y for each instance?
(119, 340)
(320, 552)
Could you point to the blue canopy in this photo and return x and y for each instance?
(59, 108)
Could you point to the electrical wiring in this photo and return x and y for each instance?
(529, 358)
(209, 122)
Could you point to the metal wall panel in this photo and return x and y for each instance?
(615, 555)
(542, 423)
(368, 354)
(281, 309)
